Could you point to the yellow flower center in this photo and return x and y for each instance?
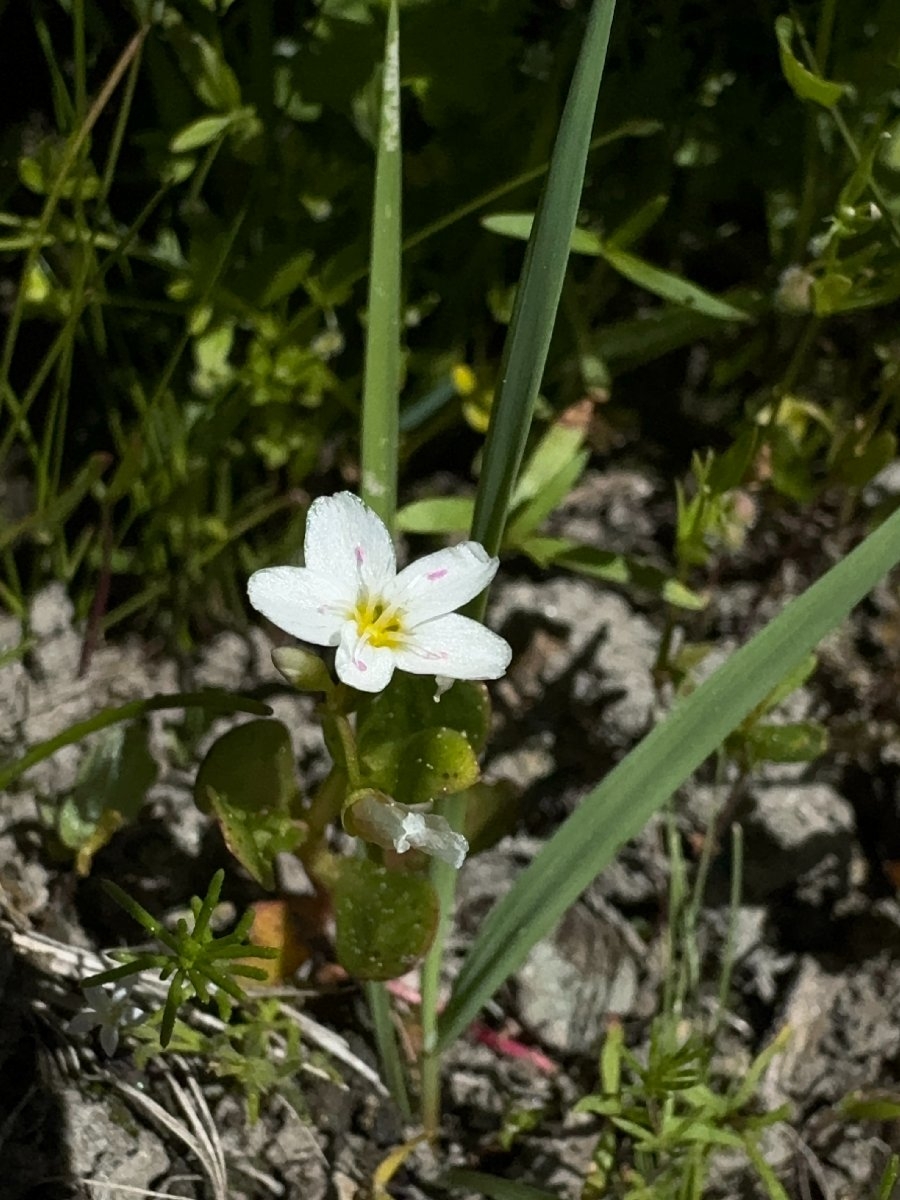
(378, 624)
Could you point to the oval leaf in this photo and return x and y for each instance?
(247, 780)
(385, 921)
(435, 763)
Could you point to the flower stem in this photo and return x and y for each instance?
(388, 1047)
(443, 876)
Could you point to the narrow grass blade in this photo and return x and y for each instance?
(380, 402)
(537, 298)
(619, 806)
(212, 700)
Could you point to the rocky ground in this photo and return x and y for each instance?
(816, 935)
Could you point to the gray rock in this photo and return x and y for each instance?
(110, 1148)
(572, 981)
(608, 649)
(790, 830)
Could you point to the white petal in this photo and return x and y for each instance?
(109, 1039)
(300, 602)
(442, 582)
(361, 665)
(346, 542)
(454, 647)
(434, 835)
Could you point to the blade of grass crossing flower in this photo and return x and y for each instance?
(381, 411)
(380, 402)
(540, 287)
(620, 805)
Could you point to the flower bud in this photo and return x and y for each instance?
(302, 669)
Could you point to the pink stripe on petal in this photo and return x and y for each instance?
(433, 575)
(359, 556)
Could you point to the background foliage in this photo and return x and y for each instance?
(186, 197)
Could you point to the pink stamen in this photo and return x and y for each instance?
(432, 575)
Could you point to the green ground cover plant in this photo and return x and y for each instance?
(249, 331)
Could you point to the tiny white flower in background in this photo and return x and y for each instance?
(109, 1009)
(350, 595)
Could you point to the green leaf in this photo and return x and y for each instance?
(862, 1107)
(532, 515)
(540, 286)
(833, 293)
(856, 466)
(385, 920)
(634, 227)
(112, 782)
(406, 708)
(552, 453)
(247, 779)
(664, 284)
(519, 225)
(619, 806)
(798, 741)
(492, 810)
(802, 81)
(671, 287)
(201, 132)
(442, 514)
(787, 686)
(435, 763)
(212, 701)
(612, 568)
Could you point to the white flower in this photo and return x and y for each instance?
(349, 595)
(110, 1009)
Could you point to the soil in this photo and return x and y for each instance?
(816, 935)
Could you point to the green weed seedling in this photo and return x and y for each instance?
(195, 960)
(667, 1113)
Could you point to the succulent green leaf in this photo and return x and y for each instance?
(492, 810)
(247, 779)
(386, 722)
(385, 920)
(435, 763)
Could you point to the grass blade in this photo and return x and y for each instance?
(537, 298)
(380, 403)
(619, 806)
